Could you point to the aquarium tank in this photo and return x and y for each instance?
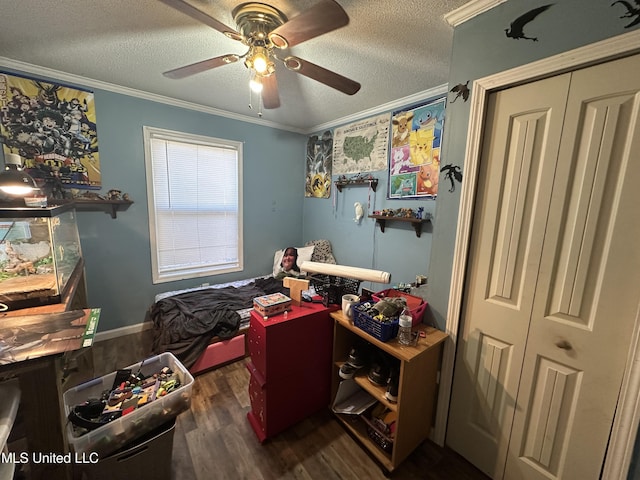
(39, 253)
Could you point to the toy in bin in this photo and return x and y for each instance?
(109, 412)
(417, 305)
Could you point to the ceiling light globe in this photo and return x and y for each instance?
(255, 85)
(260, 63)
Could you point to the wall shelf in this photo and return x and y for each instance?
(372, 182)
(415, 222)
(109, 206)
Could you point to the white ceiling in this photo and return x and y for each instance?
(395, 49)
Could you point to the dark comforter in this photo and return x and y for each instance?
(185, 324)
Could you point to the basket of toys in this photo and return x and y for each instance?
(380, 423)
(331, 288)
(366, 317)
(417, 305)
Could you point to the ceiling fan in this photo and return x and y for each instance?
(267, 32)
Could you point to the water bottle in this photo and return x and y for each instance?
(404, 327)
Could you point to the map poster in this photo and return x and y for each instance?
(414, 158)
(319, 155)
(362, 146)
(53, 128)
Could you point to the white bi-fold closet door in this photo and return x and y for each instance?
(553, 279)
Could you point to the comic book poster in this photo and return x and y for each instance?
(414, 157)
(53, 128)
(319, 160)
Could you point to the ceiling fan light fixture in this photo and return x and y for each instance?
(292, 63)
(278, 41)
(259, 60)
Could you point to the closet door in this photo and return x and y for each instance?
(553, 282)
(588, 288)
(517, 169)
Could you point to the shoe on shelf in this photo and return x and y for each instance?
(347, 371)
(357, 357)
(379, 373)
(392, 386)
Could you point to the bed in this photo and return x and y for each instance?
(204, 327)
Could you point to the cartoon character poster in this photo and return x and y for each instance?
(53, 128)
(319, 161)
(414, 158)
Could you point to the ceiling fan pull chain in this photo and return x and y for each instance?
(250, 92)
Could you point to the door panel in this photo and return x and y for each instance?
(514, 190)
(588, 290)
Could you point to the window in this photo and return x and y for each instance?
(194, 188)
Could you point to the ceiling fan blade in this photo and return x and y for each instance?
(322, 75)
(199, 15)
(202, 66)
(321, 18)
(270, 97)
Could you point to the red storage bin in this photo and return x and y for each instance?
(417, 305)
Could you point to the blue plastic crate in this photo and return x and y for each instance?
(383, 331)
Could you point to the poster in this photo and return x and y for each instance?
(361, 146)
(414, 158)
(319, 159)
(53, 128)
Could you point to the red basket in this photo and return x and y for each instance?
(417, 305)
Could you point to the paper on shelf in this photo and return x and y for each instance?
(351, 398)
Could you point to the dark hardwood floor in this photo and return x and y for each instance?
(213, 440)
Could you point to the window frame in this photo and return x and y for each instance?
(151, 133)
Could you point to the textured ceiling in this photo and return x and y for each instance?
(394, 49)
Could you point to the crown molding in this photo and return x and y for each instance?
(387, 107)
(470, 10)
(132, 92)
(22, 67)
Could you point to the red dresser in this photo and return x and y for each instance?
(290, 367)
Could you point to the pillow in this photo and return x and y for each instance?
(322, 253)
(304, 255)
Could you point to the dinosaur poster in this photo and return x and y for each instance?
(414, 158)
(53, 128)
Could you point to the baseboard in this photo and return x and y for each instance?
(122, 331)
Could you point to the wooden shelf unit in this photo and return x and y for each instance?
(109, 206)
(415, 222)
(417, 387)
(372, 182)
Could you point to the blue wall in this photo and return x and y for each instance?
(398, 250)
(117, 252)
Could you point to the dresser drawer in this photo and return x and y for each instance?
(280, 347)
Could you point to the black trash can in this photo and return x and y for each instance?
(147, 458)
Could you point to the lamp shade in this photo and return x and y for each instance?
(16, 182)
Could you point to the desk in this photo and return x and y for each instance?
(33, 341)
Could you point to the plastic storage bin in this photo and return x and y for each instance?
(383, 331)
(417, 305)
(121, 432)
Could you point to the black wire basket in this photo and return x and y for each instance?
(331, 288)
